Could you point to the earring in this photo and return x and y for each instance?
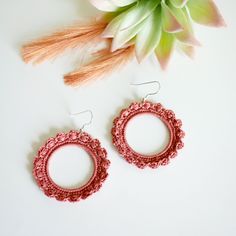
(166, 116)
(86, 142)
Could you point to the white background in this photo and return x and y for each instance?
(194, 195)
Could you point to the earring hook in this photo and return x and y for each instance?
(82, 112)
(149, 82)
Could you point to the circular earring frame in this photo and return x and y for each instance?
(91, 146)
(166, 116)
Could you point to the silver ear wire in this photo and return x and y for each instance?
(86, 111)
(149, 82)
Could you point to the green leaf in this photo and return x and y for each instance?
(187, 35)
(122, 37)
(205, 12)
(149, 36)
(138, 13)
(169, 21)
(178, 3)
(122, 3)
(114, 26)
(165, 48)
(130, 18)
(188, 50)
(102, 5)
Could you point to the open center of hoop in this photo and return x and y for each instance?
(70, 167)
(147, 134)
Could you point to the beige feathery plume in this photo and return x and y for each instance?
(104, 64)
(51, 46)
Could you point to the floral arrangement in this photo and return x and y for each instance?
(129, 28)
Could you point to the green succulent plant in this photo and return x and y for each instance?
(156, 26)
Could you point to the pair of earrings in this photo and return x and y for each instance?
(98, 153)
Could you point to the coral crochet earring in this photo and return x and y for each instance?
(82, 140)
(168, 118)
(130, 28)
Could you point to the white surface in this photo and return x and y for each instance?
(70, 166)
(194, 195)
(146, 134)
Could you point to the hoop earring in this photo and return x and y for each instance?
(166, 116)
(90, 145)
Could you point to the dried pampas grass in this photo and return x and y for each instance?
(78, 36)
(51, 46)
(106, 62)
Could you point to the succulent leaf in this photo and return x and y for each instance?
(149, 36)
(155, 25)
(205, 12)
(188, 50)
(178, 3)
(124, 36)
(114, 25)
(104, 5)
(187, 35)
(138, 13)
(169, 21)
(122, 3)
(165, 48)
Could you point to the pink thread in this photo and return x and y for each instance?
(156, 160)
(92, 146)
